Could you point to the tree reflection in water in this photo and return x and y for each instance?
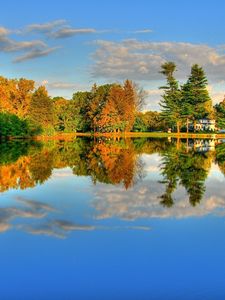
(186, 163)
(187, 167)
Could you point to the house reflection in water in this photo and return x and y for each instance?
(198, 145)
(205, 145)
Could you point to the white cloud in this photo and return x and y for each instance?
(69, 32)
(45, 27)
(56, 228)
(143, 199)
(141, 60)
(33, 49)
(57, 29)
(114, 202)
(43, 213)
(35, 54)
(4, 31)
(64, 85)
(13, 46)
(216, 94)
(144, 31)
(30, 49)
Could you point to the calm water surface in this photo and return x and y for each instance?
(112, 219)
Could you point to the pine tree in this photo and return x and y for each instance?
(196, 101)
(171, 103)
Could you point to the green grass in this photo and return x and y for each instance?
(134, 134)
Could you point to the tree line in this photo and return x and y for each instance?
(26, 110)
(183, 105)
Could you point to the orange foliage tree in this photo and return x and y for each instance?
(15, 96)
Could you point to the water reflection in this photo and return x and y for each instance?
(185, 166)
(132, 179)
(104, 161)
(185, 162)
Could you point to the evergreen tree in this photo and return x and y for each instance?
(171, 102)
(196, 101)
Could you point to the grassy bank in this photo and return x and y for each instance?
(71, 136)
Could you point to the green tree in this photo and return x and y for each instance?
(220, 114)
(139, 124)
(196, 101)
(41, 109)
(13, 126)
(171, 102)
(81, 102)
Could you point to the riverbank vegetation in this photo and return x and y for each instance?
(27, 110)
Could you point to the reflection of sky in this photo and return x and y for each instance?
(152, 166)
(70, 239)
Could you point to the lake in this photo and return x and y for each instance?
(112, 219)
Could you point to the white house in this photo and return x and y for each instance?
(205, 124)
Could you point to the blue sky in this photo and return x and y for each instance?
(69, 45)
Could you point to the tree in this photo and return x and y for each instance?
(115, 99)
(96, 102)
(15, 95)
(220, 114)
(67, 116)
(129, 104)
(139, 124)
(59, 105)
(171, 102)
(41, 108)
(81, 102)
(11, 126)
(25, 88)
(196, 101)
(108, 120)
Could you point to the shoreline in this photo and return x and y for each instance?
(71, 136)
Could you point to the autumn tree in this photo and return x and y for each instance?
(96, 102)
(24, 89)
(15, 96)
(128, 105)
(109, 119)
